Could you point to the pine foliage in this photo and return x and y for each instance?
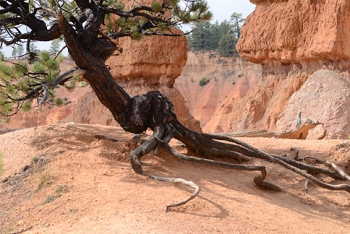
(24, 86)
(20, 83)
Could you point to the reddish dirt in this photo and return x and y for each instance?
(88, 186)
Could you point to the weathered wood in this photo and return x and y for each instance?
(301, 132)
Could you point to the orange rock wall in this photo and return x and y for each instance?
(294, 31)
(157, 59)
(152, 58)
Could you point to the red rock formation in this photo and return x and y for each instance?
(157, 59)
(291, 40)
(284, 32)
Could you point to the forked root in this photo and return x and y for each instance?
(146, 147)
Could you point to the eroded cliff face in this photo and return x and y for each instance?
(228, 81)
(292, 40)
(297, 32)
(157, 59)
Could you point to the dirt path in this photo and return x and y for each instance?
(78, 183)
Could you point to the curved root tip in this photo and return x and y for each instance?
(136, 164)
(145, 163)
(267, 185)
(193, 195)
(180, 181)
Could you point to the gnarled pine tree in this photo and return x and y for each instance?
(90, 29)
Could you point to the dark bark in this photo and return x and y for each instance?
(153, 110)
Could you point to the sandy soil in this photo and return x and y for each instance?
(65, 179)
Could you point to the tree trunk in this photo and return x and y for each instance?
(154, 110)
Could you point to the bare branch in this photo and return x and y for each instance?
(180, 181)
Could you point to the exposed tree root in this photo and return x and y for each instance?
(336, 173)
(259, 180)
(336, 168)
(162, 120)
(216, 145)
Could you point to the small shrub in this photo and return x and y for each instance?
(240, 75)
(83, 83)
(51, 198)
(59, 102)
(44, 180)
(61, 188)
(203, 81)
(35, 159)
(50, 128)
(342, 145)
(7, 230)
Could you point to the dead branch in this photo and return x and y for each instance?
(301, 132)
(99, 136)
(180, 181)
(336, 168)
(340, 174)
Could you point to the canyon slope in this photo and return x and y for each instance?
(224, 82)
(282, 45)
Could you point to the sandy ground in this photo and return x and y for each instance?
(65, 179)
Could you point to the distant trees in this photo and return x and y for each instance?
(218, 36)
(55, 46)
(18, 50)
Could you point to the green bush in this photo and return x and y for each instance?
(203, 81)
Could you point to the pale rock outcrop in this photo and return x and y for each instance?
(325, 98)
